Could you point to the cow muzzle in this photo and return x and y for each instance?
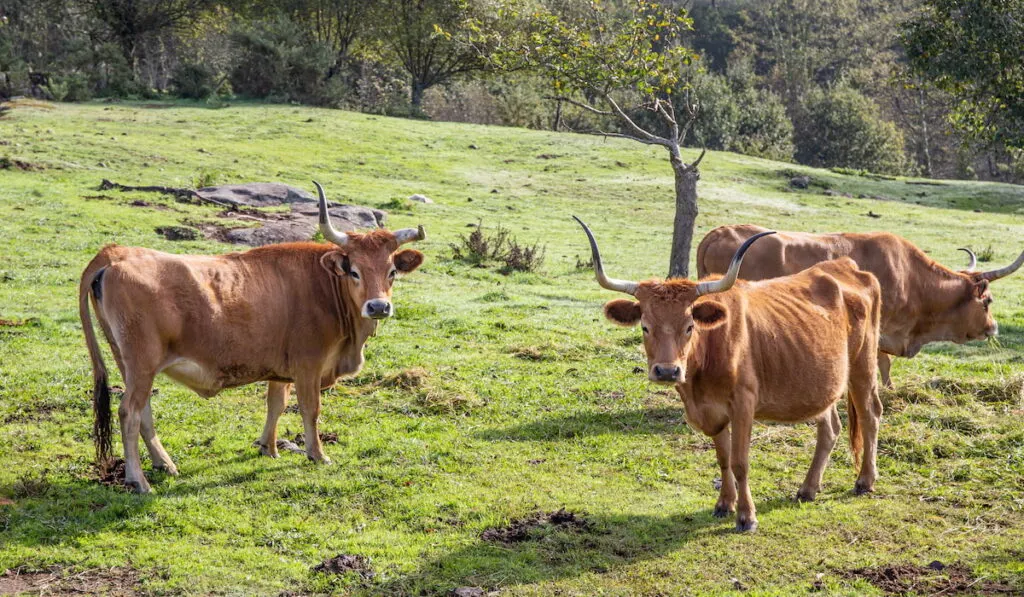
(377, 309)
(666, 373)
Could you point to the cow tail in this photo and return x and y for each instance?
(856, 441)
(101, 390)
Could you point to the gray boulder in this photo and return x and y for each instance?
(255, 194)
(298, 225)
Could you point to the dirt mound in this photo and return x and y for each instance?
(112, 473)
(344, 563)
(521, 529)
(933, 579)
(56, 581)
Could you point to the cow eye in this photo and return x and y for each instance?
(644, 328)
(392, 274)
(354, 274)
(689, 329)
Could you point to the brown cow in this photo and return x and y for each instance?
(781, 350)
(922, 300)
(294, 313)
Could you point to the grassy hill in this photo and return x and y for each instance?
(489, 398)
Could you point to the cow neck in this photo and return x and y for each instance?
(950, 290)
(704, 357)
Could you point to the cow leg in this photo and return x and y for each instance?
(739, 460)
(869, 413)
(157, 453)
(884, 365)
(277, 398)
(130, 413)
(829, 427)
(309, 406)
(727, 495)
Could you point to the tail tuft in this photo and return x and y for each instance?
(101, 421)
(856, 441)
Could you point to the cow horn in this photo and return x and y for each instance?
(726, 281)
(338, 238)
(408, 235)
(603, 280)
(974, 259)
(1004, 271)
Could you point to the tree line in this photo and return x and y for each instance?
(926, 87)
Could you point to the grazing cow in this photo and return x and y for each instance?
(922, 300)
(781, 350)
(288, 314)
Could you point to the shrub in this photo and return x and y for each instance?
(277, 60)
(193, 81)
(522, 258)
(842, 127)
(479, 247)
(735, 116)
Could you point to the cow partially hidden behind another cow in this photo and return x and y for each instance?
(293, 313)
(781, 350)
(922, 300)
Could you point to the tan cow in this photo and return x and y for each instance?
(288, 314)
(780, 350)
(922, 300)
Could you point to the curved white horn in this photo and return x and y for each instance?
(1004, 271)
(726, 282)
(603, 280)
(338, 238)
(408, 235)
(974, 259)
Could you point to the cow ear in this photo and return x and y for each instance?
(709, 314)
(623, 312)
(408, 260)
(335, 262)
(980, 288)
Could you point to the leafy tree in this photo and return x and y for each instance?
(418, 34)
(841, 127)
(127, 22)
(974, 49)
(615, 67)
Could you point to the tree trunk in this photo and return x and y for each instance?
(686, 218)
(417, 95)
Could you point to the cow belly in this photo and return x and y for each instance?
(193, 375)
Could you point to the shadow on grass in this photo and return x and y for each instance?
(642, 421)
(607, 542)
(55, 512)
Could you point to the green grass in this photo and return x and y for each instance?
(517, 395)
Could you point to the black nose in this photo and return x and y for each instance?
(377, 309)
(667, 372)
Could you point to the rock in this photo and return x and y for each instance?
(800, 182)
(256, 194)
(355, 216)
(467, 592)
(420, 198)
(177, 232)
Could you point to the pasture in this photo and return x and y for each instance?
(490, 399)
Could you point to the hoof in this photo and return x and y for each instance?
(139, 487)
(721, 512)
(806, 496)
(860, 488)
(321, 460)
(268, 451)
(169, 469)
(746, 526)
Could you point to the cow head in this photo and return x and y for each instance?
(368, 263)
(668, 311)
(974, 320)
